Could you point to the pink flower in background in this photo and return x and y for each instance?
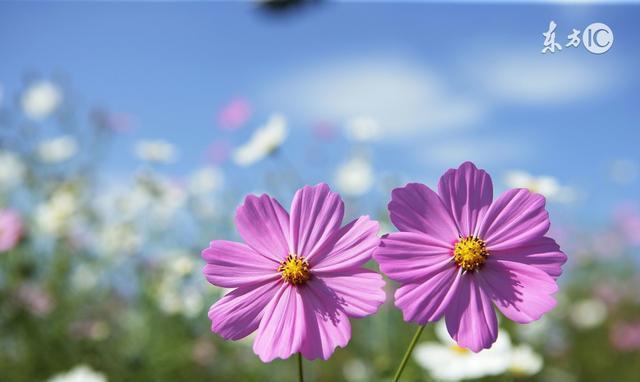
(234, 114)
(298, 278)
(459, 253)
(218, 152)
(625, 337)
(627, 218)
(37, 301)
(10, 229)
(324, 130)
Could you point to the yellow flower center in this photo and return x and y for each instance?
(295, 270)
(470, 253)
(459, 349)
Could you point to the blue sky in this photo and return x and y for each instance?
(447, 83)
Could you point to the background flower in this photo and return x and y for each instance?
(10, 229)
(41, 99)
(264, 141)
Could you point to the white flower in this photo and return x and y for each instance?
(543, 184)
(58, 149)
(119, 238)
(54, 216)
(355, 370)
(81, 373)
(355, 176)
(264, 141)
(524, 361)
(363, 129)
(588, 313)
(84, 277)
(205, 180)
(41, 99)
(181, 264)
(11, 170)
(534, 332)
(158, 151)
(449, 362)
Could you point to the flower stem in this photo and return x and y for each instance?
(300, 375)
(407, 354)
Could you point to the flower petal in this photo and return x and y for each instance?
(359, 291)
(416, 208)
(282, 327)
(543, 253)
(467, 192)
(522, 292)
(470, 317)
(426, 301)
(264, 225)
(409, 257)
(327, 325)
(231, 265)
(516, 217)
(238, 313)
(316, 213)
(349, 247)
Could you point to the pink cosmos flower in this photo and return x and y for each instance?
(459, 253)
(234, 114)
(298, 277)
(10, 229)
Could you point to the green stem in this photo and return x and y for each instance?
(300, 375)
(407, 354)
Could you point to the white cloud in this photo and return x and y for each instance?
(487, 150)
(546, 185)
(542, 79)
(403, 96)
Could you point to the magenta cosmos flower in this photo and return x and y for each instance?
(459, 253)
(298, 278)
(10, 229)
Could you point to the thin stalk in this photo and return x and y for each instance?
(407, 354)
(300, 374)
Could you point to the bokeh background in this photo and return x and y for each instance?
(129, 133)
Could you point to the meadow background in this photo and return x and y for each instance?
(130, 132)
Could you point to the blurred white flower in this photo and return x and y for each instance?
(11, 170)
(205, 180)
(84, 277)
(119, 239)
(534, 331)
(356, 370)
(447, 361)
(156, 151)
(264, 141)
(363, 129)
(170, 199)
(545, 185)
(80, 373)
(58, 149)
(624, 171)
(206, 208)
(54, 216)
(182, 264)
(588, 313)
(524, 361)
(41, 99)
(355, 176)
(176, 297)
